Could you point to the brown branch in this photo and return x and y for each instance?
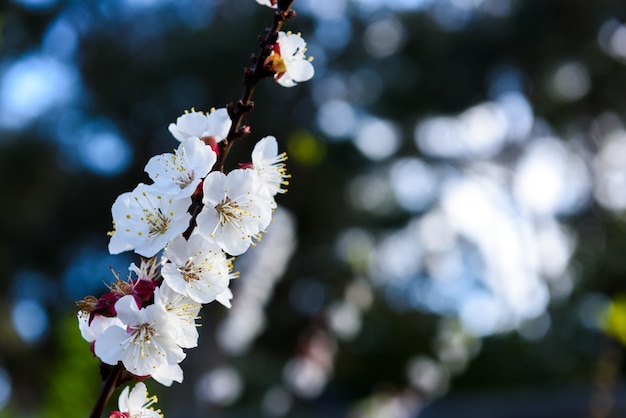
(252, 76)
(107, 387)
(239, 109)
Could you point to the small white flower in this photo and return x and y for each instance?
(235, 210)
(136, 404)
(197, 268)
(146, 220)
(179, 174)
(202, 125)
(288, 61)
(269, 3)
(270, 166)
(147, 342)
(184, 312)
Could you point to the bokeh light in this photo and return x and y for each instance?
(5, 388)
(377, 139)
(32, 85)
(30, 320)
(221, 386)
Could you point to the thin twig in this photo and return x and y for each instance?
(238, 110)
(106, 389)
(252, 76)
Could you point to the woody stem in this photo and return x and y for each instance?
(106, 389)
(252, 76)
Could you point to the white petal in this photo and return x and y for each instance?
(118, 245)
(137, 397)
(199, 156)
(233, 240)
(187, 336)
(206, 293)
(122, 401)
(290, 44)
(99, 324)
(188, 125)
(286, 81)
(108, 346)
(301, 70)
(207, 223)
(218, 124)
(128, 311)
(265, 149)
(214, 188)
(225, 297)
(168, 373)
(175, 251)
(267, 3)
(174, 278)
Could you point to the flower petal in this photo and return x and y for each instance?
(218, 124)
(107, 347)
(168, 373)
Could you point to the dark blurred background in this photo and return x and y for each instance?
(453, 235)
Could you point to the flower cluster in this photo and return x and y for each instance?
(187, 224)
(146, 320)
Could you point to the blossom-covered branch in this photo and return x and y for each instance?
(255, 73)
(187, 224)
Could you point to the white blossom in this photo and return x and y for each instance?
(147, 342)
(136, 404)
(198, 268)
(184, 312)
(202, 125)
(179, 174)
(288, 61)
(270, 166)
(235, 210)
(146, 220)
